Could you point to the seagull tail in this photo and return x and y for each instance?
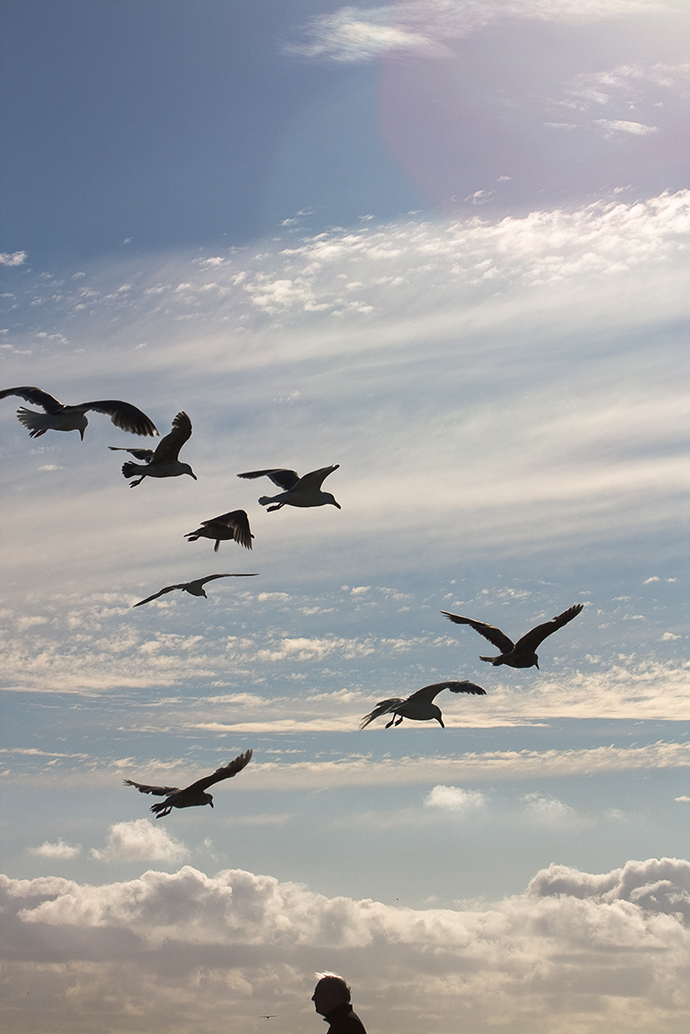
(37, 423)
(492, 660)
(129, 469)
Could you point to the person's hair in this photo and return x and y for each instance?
(335, 984)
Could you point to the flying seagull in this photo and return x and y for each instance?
(195, 588)
(419, 706)
(73, 418)
(298, 491)
(163, 463)
(520, 654)
(232, 525)
(192, 795)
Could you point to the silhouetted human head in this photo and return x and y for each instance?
(330, 991)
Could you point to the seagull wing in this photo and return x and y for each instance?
(239, 522)
(312, 481)
(532, 639)
(429, 692)
(227, 772)
(168, 588)
(169, 447)
(383, 707)
(490, 632)
(146, 455)
(157, 791)
(36, 396)
(212, 577)
(123, 415)
(285, 479)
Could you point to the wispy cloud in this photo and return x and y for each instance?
(58, 850)
(426, 27)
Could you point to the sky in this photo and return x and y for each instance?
(442, 244)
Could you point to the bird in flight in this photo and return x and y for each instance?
(194, 588)
(193, 795)
(233, 526)
(521, 654)
(420, 706)
(297, 491)
(58, 417)
(163, 463)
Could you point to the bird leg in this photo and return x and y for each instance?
(391, 722)
(138, 481)
(400, 718)
(272, 508)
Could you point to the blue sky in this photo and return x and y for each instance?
(444, 246)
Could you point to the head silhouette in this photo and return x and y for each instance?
(330, 991)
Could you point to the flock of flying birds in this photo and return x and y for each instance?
(305, 491)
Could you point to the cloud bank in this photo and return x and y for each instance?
(205, 952)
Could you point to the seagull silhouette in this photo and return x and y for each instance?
(193, 795)
(420, 706)
(298, 491)
(521, 654)
(195, 588)
(232, 525)
(58, 417)
(163, 463)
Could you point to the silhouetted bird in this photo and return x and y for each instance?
(229, 526)
(163, 463)
(419, 706)
(298, 491)
(195, 588)
(520, 654)
(58, 417)
(194, 795)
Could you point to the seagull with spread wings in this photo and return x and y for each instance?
(297, 491)
(521, 654)
(194, 795)
(420, 706)
(232, 526)
(58, 417)
(163, 463)
(194, 588)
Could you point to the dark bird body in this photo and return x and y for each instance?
(521, 654)
(163, 463)
(232, 526)
(194, 795)
(420, 706)
(194, 588)
(297, 491)
(58, 417)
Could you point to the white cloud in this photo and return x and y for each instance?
(425, 27)
(140, 840)
(58, 850)
(15, 258)
(614, 944)
(623, 126)
(454, 798)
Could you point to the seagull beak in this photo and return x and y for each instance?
(212, 804)
(337, 504)
(81, 433)
(193, 475)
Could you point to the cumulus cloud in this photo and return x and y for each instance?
(140, 840)
(15, 258)
(454, 798)
(58, 850)
(612, 946)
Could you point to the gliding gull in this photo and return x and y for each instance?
(193, 795)
(229, 526)
(195, 588)
(419, 706)
(520, 654)
(58, 417)
(298, 491)
(163, 463)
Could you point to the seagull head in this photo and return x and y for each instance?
(186, 469)
(330, 499)
(208, 799)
